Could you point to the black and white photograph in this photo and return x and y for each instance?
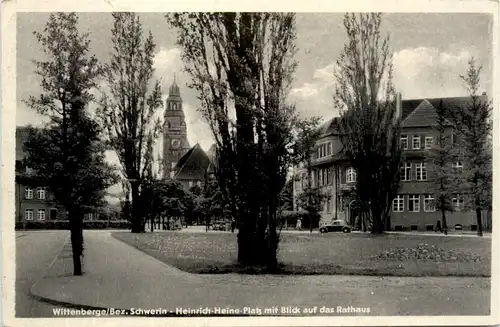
(234, 167)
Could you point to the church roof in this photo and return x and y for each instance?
(193, 165)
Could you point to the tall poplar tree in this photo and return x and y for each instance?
(130, 104)
(241, 65)
(369, 129)
(474, 124)
(441, 158)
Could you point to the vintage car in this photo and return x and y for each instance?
(220, 225)
(336, 226)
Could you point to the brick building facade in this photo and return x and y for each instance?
(32, 203)
(412, 209)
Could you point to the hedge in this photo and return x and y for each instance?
(64, 224)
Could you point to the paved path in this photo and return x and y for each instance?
(34, 253)
(120, 276)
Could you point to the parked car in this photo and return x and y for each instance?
(336, 226)
(219, 225)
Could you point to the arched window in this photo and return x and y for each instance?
(350, 175)
(174, 106)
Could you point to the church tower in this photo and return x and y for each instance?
(175, 142)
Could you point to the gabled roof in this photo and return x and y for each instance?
(193, 165)
(423, 116)
(330, 127)
(424, 112)
(414, 112)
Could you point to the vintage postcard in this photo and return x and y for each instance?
(246, 163)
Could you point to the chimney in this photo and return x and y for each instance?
(399, 111)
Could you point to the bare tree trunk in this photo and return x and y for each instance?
(479, 222)
(443, 217)
(137, 225)
(272, 261)
(247, 240)
(76, 227)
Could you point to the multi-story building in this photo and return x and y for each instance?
(36, 203)
(32, 203)
(412, 209)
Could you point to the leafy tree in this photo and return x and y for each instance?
(67, 155)
(440, 160)
(191, 204)
(286, 198)
(369, 130)
(474, 126)
(241, 64)
(128, 110)
(167, 199)
(304, 148)
(311, 200)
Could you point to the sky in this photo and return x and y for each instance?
(430, 51)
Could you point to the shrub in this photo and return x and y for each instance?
(64, 224)
(291, 217)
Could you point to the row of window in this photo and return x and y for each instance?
(191, 183)
(324, 150)
(29, 193)
(323, 176)
(416, 142)
(413, 202)
(420, 171)
(173, 106)
(29, 214)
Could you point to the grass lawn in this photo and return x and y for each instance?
(330, 254)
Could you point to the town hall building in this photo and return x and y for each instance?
(412, 209)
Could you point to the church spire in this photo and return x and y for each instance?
(174, 89)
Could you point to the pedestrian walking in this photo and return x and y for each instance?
(357, 223)
(299, 224)
(233, 225)
(438, 226)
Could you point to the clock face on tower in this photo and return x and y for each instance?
(175, 143)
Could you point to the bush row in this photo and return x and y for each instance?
(64, 224)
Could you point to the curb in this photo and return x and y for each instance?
(177, 270)
(58, 302)
(52, 301)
